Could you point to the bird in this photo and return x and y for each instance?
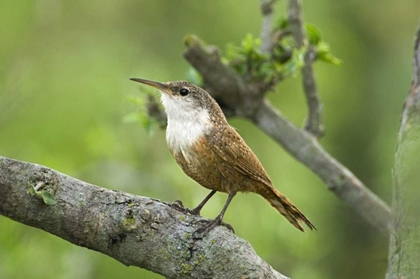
(213, 153)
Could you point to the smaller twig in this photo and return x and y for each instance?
(314, 121)
(266, 35)
(295, 19)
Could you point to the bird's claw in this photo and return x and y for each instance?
(211, 224)
(206, 228)
(178, 205)
(193, 212)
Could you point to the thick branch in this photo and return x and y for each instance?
(297, 142)
(134, 230)
(314, 120)
(404, 252)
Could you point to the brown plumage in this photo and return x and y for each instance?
(223, 162)
(212, 153)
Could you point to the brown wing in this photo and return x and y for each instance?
(229, 146)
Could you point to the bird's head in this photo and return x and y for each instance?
(184, 100)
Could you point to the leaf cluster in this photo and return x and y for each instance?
(285, 59)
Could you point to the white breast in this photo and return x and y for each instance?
(186, 124)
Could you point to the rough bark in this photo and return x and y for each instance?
(134, 230)
(404, 250)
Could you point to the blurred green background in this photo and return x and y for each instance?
(64, 81)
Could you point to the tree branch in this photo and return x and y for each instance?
(404, 253)
(314, 121)
(134, 230)
(232, 93)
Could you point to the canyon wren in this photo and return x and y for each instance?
(212, 153)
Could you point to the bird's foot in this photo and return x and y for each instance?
(195, 211)
(178, 205)
(210, 225)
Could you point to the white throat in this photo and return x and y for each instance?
(186, 124)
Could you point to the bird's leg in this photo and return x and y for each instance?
(218, 220)
(196, 211)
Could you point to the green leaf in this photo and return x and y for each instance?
(247, 59)
(313, 34)
(323, 53)
(329, 58)
(248, 43)
(47, 197)
(294, 64)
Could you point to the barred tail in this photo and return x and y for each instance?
(285, 207)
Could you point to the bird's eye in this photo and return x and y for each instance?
(184, 92)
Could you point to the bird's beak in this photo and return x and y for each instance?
(163, 87)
